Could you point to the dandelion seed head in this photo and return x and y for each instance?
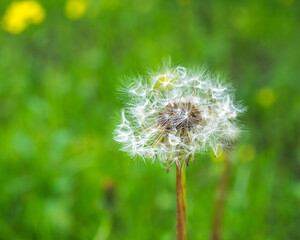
(173, 114)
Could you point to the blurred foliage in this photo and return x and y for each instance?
(61, 174)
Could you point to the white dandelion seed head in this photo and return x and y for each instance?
(176, 113)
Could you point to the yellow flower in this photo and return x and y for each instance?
(165, 81)
(265, 97)
(220, 158)
(75, 9)
(21, 14)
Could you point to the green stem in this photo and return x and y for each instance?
(181, 202)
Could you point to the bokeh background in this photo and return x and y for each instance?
(61, 63)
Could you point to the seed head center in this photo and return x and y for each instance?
(180, 115)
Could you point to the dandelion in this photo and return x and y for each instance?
(265, 97)
(176, 113)
(173, 114)
(75, 9)
(19, 15)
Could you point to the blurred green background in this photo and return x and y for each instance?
(61, 63)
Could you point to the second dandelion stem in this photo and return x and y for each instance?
(181, 202)
(221, 200)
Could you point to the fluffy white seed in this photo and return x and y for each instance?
(176, 113)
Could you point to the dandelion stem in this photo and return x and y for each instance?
(181, 202)
(221, 200)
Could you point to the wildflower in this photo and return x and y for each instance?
(75, 9)
(221, 158)
(173, 114)
(265, 97)
(21, 14)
